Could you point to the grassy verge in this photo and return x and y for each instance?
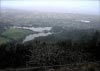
(14, 34)
(3, 40)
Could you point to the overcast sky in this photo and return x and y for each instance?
(62, 6)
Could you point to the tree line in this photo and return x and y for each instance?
(38, 53)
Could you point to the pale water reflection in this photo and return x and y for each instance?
(36, 29)
(33, 36)
(86, 21)
(40, 32)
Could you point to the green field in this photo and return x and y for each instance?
(14, 34)
(3, 40)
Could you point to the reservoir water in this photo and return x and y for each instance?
(40, 32)
(33, 36)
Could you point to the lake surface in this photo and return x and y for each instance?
(33, 36)
(86, 21)
(36, 29)
(40, 32)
